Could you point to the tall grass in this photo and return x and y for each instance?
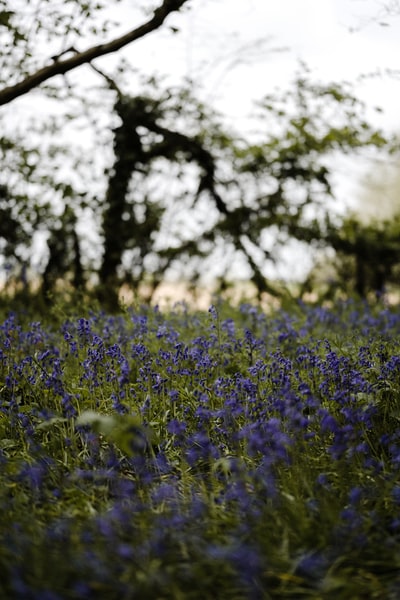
(225, 454)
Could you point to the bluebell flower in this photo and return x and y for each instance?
(212, 311)
(123, 379)
(83, 329)
(355, 495)
(200, 448)
(176, 427)
(228, 327)
(396, 494)
(68, 408)
(312, 565)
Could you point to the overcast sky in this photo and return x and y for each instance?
(337, 39)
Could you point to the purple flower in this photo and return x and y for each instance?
(123, 379)
(396, 494)
(312, 565)
(83, 328)
(176, 427)
(355, 495)
(328, 423)
(68, 408)
(212, 311)
(200, 448)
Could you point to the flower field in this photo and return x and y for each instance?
(227, 454)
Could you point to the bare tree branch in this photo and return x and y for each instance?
(59, 67)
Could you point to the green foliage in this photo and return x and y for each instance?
(374, 250)
(28, 31)
(125, 431)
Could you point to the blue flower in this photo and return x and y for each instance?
(176, 427)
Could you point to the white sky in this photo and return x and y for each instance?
(337, 39)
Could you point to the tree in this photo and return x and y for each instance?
(372, 252)
(146, 145)
(181, 186)
(64, 254)
(279, 186)
(18, 37)
(292, 170)
(367, 240)
(39, 42)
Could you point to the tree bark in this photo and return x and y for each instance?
(60, 67)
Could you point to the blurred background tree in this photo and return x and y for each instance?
(366, 243)
(178, 191)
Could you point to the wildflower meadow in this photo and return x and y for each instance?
(228, 454)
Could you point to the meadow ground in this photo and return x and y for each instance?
(192, 455)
